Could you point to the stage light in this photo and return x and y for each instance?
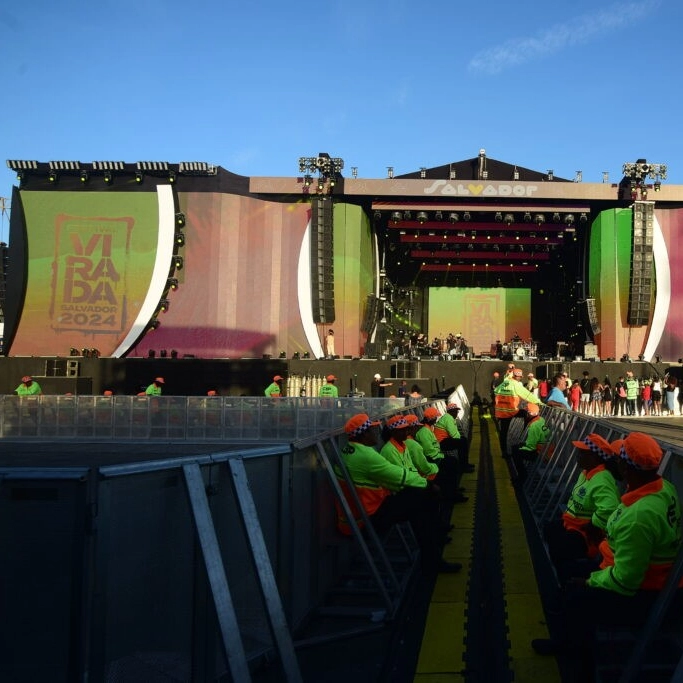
(498, 216)
(171, 177)
(164, 305)
(283, 354)
(583, 217)
(94, 353)
(407, 215)
(172, 283)
(551, 175)
(73, 351)
(307, 180)
(466, 216)
(423, 172)
(163, 353)
(85, 353)
(556, 217)
(527, 217)
(84, 176)
(52, 177)
(396, 216)
(438, 216)
(515, 174)
(180, 219)
(154, 324)
(180, 238)
(174, 353)
(658, 186)
(178, 262)
(452, 174)
(321, 185)
(151, 353)
(108, 177)
(354, 171)
(390, 171)
(509, 219)
(453, 217)
(138, 176)
(539, 218)
(569, 219)
(422, 216)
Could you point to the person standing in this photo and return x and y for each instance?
(274, 389)
(378, 385)
(631, 393)
(619, 397)
(508, 396)
(154, 389)
(330, 389)
(28, 387)
(556, 397)
(329, 344)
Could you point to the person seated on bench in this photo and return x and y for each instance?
(643, 539)
(450, 440)
(536, 437)
(390, 493)
(573, 539)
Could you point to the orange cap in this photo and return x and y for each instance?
(277, 378)
(431, 413)
(159, 379)
(397, 422)
(597, 444)
(641, 451)
(331, 378)
(358, 424)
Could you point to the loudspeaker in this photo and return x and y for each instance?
(640, 285)
(322, 261)
(592, 316)
(370, 314)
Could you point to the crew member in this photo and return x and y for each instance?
(390, 493)
(508, 395)
(378, 386)
(643, 538)
(537, 436)
(330, 389)
(274, 389)
(402, 449)
(28, 387)
(154, 389)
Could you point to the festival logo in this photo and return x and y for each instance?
(480, 190)
(89, 274)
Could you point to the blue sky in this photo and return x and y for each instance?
(252, 86)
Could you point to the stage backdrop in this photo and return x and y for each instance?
(481, 315)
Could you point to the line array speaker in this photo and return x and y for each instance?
(322, 261)
(640, 286)
(593, 316)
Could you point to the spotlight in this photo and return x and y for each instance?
(21, 176)
(164, 305)
(453, 217)
(138, 176)
(509, 219)
(172, 283)
(438, 216)
(556, 217)
(396, 216)
(178, 262)
(171, 177)
(551, 175)
(73, 351)
(354, 171)
(539, 218)
(569, 219)
(390, 171)
(108, 177)
(498, 216)
(423, 172)
(583, 217)
(527, 217)
(163, 353)
(283, 354)
(407, 215)
(94, 353)
(174, 353)
(422, 216)
(466, 216)
(658, 185)
(378, 215)
(452, 175)
(85, 353)
(84, 176)
(52, 177)
(154, 324)
(180, 239)
(307, 180)
(151, 353)
(180, 219)
(515, 174)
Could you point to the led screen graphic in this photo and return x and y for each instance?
(90, 262)
(482, 315)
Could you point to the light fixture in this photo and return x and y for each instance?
(307, 180)
(452, 174)
(423, 172)
(172, 283)
(178, 262)
(438, 216)
(180, 238)
(422, 216)
(407, 215)
(171, 177)
(578, 178)
(154, 324)
(515, 174)
(484, 175)
(73, 351)
(108, 177)
(551, 175)
(466, 216)
(138, 176)
(498, 216)
(527, 217)
(354, 171)
(583, 217)
(658, 185)
(163, 353)
(378, 215)
(539, 218)
(569, 219)
(453, 217)
(556, 217)
(52, 176)
(180, 219)
(509, 219)
(84, 176)
(164, 305)
(390, 171)
(396, 216)
(605, 176)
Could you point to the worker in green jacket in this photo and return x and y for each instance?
(642, 542)
(391, 493)
(402, 449)
(28, 387)
(536, 437)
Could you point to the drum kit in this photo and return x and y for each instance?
(519, 350)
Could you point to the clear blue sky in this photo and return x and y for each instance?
(252, 86)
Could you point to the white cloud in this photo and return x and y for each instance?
(579, 30)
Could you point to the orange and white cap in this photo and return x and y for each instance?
(358, 424)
